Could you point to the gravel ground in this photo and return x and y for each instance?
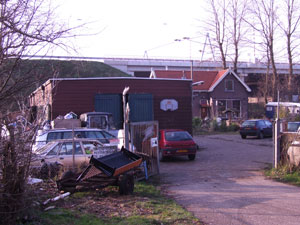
(225, 184)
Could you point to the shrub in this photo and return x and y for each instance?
(233, 127)
(197, 122)
(213, 125)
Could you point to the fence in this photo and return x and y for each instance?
(144, 140)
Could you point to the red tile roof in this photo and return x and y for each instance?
(209, 77)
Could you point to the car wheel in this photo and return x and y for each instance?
(161, 157)
(192, 156)
(260, 135)
(243, 136)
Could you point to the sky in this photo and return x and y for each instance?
(135, 28)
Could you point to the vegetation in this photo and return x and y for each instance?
(256, 110)
(46, 69)
(209, 126)
(284, 173)
(146, 206)
(28, 27)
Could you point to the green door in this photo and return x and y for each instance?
(110, 103)
(141, 107)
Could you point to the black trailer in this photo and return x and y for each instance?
(116, 169)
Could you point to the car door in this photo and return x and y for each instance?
(90, 148)
(65, 155)
(52, 155)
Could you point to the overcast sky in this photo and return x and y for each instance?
(131, 27)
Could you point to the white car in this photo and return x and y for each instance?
(89, 133)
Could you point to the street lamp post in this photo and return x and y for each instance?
(192, 66)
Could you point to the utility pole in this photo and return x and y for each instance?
(276, 135)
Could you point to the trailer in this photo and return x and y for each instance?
(116, 169)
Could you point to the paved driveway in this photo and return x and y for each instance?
(225, 185)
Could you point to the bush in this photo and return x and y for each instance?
(233, 127)
(256, 110)
(197, 123)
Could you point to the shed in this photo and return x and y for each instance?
(149, 99)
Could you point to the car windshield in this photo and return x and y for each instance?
(293, 127)
(249, 123)
(177, 136)
(45, 148)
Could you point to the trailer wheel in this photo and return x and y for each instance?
(64, 183)
(126, 184)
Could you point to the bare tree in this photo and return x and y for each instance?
(227, 28)
(289, 24)
(26, 27)
(265, 24)
(216, 27)
(237, 12)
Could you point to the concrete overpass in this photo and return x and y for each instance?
(142, 67)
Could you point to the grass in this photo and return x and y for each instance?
(148, 199)
(284, 174)
(68, 217)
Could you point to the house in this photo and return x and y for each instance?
(215, 93)
(167, 101)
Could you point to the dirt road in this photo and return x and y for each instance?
(225, 185)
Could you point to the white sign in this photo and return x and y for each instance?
(169, 104)
(154, 142)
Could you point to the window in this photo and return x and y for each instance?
(236, 106)
(67, 149)
(221, 108)
(91, 147)
(53, 136)
(54, 150)
(177, 136)
(67, 135)
(261, 124)
(229, 85)
(94, 134)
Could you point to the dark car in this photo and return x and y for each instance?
(258, 128)
(175, 142)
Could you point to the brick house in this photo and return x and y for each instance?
(223, 94)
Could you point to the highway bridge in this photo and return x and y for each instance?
(142, 67)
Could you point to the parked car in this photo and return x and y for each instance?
(293, 126)
(61, 151)
(89, 133)
(259, 128)
(175, 142)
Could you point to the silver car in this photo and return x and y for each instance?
(89, 133)
(61, 151)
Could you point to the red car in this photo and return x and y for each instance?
(175, 142)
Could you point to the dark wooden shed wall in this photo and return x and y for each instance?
(78, 96)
